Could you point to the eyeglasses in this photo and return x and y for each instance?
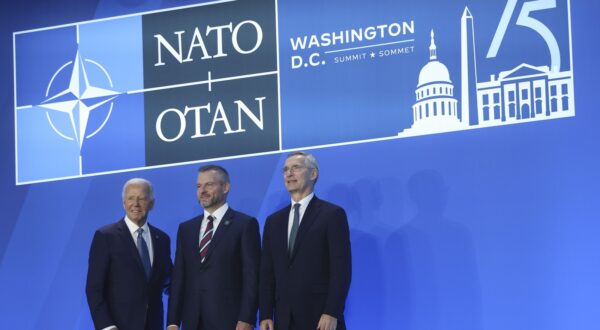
(141, 200)
(293, 169)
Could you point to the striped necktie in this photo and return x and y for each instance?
(208, 234)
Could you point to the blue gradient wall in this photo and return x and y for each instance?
(493, 228)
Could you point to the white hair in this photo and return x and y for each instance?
(139, 181)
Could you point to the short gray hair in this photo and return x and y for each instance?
(140, 181)
(309, 160)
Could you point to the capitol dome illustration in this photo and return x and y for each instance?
(436, 108)
(434, 71)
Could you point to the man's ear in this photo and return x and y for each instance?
(314, 174)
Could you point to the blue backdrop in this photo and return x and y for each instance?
(492, 228)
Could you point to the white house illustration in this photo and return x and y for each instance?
(524, 93)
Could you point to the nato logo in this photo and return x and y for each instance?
(157, 88)
(73, 114)
(78, 99)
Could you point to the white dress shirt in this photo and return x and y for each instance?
(133, 227)
(303, 205)
(217, 217)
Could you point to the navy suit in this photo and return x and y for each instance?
(117, 289)
(222, 290)
(314, 280)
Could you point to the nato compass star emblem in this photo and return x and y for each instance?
(79, 99)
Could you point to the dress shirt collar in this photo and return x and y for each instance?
(133, 227)
(218, 214)
(303, 202)
(303, 205)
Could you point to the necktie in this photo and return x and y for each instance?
(143, 251)
(208, 234)
(294, 231)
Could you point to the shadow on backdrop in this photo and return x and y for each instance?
(365, 304)
(432, 262)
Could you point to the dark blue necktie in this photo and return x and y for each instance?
(143, 250)
(294, 231)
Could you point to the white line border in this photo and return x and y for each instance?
(274, 152)
(571, 56)
(210, 81)
(123, 16)
(15, 107)
(370, 46)
(278, 73)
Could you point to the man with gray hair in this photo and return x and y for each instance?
(305, 267)
(129, 266)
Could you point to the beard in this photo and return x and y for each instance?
(211, 201)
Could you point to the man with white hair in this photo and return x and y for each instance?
(129, 266)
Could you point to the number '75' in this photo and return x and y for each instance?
(526, 21)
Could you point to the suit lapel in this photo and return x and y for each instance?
(130, 244)
(220, 232)
(194, 234)
(156, 247)
(280, 233)
(309, 217)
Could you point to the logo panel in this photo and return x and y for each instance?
(201, 82)
(91, 101)
(422, 68)
(211, 82)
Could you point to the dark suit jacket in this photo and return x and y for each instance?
(214, 295)
(118, 292)
(315, 280)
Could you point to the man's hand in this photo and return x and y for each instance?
(266, 324)
(244, 326)
(327, 322)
